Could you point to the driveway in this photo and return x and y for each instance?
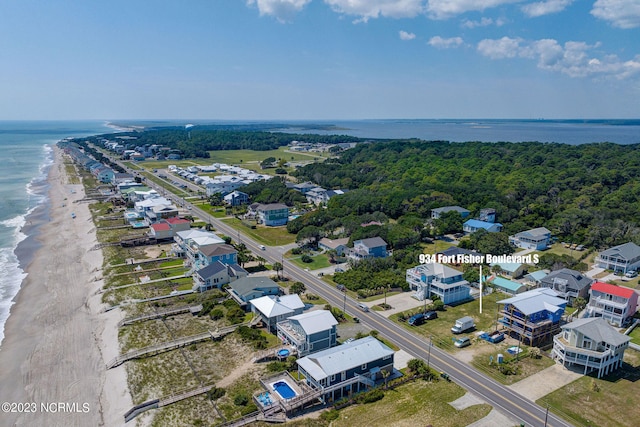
(545, 382)
(400, 302)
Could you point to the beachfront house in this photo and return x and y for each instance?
(347, 368)
(436, 213)
(338, 245)
(533, 316)
(536, 238)
(615, 304)
(189, 244)
(246, 289)
(273, 309)
(215, 275)
(569, 284)
(621, 259)
(309, 332)
(590, 343)
(374, 247)
(435, 279)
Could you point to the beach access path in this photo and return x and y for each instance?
(56, 340)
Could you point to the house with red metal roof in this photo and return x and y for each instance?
(614, 303)
(168, 228)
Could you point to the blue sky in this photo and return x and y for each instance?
(319, 59)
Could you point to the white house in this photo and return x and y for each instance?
(274, 309)
(620, 258)
(590, 343)
(536, 238)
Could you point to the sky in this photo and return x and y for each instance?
(319, 59)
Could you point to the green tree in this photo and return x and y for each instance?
(277, 267)
(215, 199)
(298, 288)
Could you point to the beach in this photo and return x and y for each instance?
(57, 339)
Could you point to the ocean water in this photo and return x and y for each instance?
(25, 158)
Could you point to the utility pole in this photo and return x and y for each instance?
(429, 354)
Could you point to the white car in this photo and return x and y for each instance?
(262, 247)
(631, 274)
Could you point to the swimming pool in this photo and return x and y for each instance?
(284, 389)
(283, 353)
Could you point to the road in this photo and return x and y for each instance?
(494, 393)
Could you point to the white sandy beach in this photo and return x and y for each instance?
(56, 340)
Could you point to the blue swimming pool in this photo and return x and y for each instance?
(283, 353)
(284, 390)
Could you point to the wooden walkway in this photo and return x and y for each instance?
(173, 344)
(193, 309)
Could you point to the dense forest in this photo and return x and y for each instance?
(197, 141)
(586, 193)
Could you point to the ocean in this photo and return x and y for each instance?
(25, 156)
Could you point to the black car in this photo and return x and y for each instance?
(430, 315)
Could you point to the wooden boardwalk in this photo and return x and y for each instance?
(173, 344)
(193, 309)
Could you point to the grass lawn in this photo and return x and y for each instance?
(319, 261)
(440, 328)
(526, 365)
(610, 401)
(214, 211)
(635, 335)
(271, 236)
(414, 404)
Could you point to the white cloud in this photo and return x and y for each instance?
(443, 9)
(572, 58)
(440, 43)
(406, 36)
(502, 48)
(282, 10)
(367, 9)
(484, 22)
(620, 13)
(546, 7)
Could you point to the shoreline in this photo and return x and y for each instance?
(57, 341)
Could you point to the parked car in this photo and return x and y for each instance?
(416, 320)
(631, 274)
(430, 315)
(462, 342)
(341, 288)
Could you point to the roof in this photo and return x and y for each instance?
(372, 242)
(509, 267)
(450, 208)
(315, 321)
(436, 269)
(273, 306)
(335, 360)
(211, 269)
(476, 223)
(175, 220)
(612, 289)
(626, 251)
(217, 249)
(534, 232)
(454, 251)
(572, 278)
(537, 275)
(200, 237)
(536, 300)
(507, 284)
(334, 243)
(161, 226)
(598, 330)
(272, 207)
(246, 285)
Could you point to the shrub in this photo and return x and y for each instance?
(296, 251)
(241, 399)
(276, 366)
(306, 259)
(370, 396)
(216, 314)
(216, 393)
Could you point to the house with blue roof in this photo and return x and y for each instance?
(346, 368)
(215, 275)
(309, 332)
(473, 225)
(533, 316)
